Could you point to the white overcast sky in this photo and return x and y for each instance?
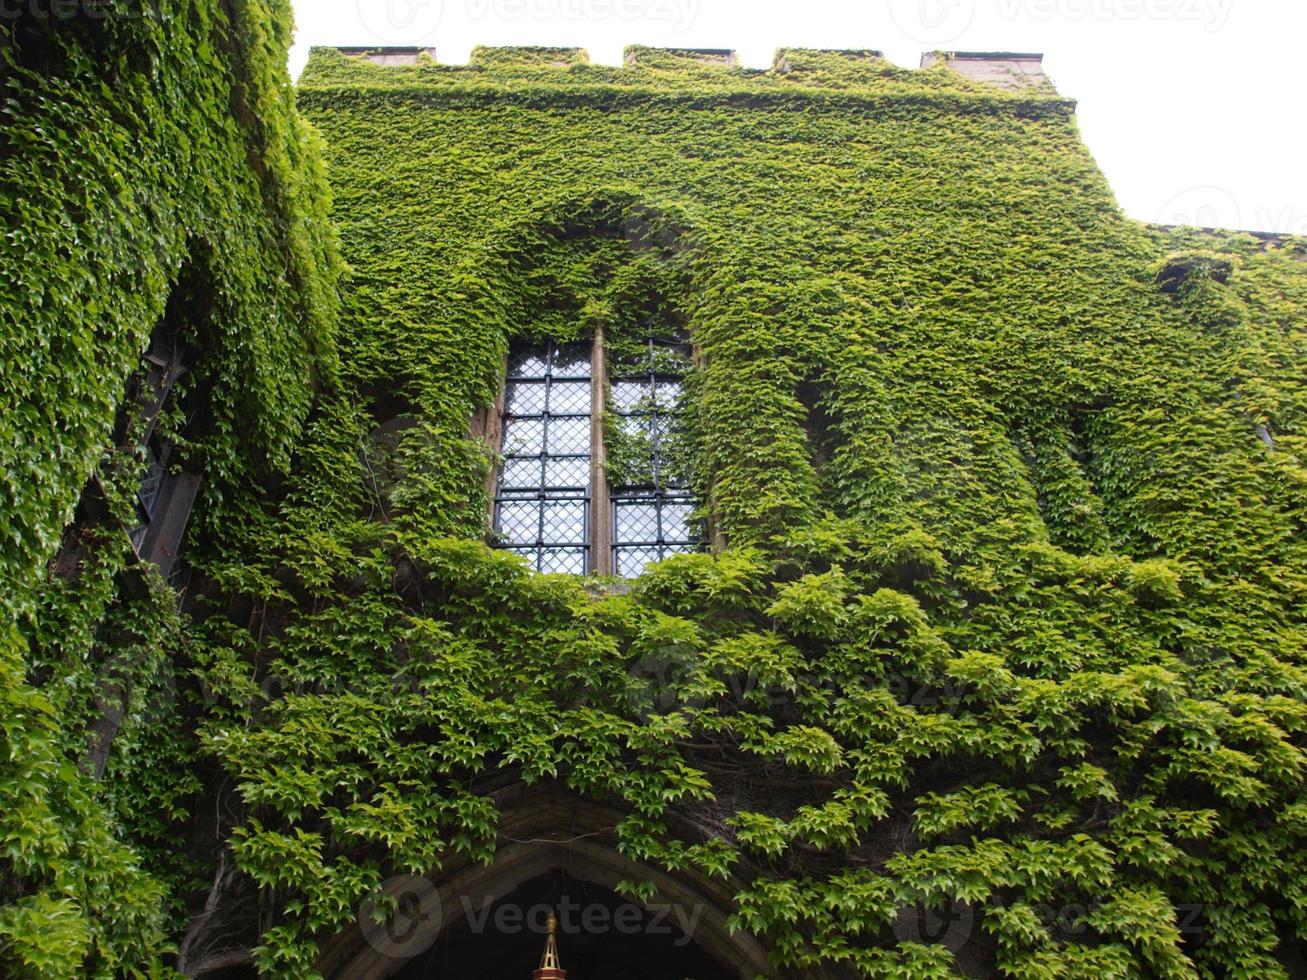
(1194, 108)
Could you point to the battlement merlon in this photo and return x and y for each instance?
(1006, 69)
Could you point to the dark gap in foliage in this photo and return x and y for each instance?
(223, 921)
(86, 529)
(31, 42)
(1184, 269)
(387, 404)
(818, 422)
(393, 415)
(188, 317)
(178, 373)
(141, 488)
(1080, 421)
(154, 446)
(1058, 452)
(1291, 952)
(1079, 449)
(232, 973)
(41, 34)
(159, 461)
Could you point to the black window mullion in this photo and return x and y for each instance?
(656, 441)
(653, 413)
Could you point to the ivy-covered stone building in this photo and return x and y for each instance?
(780, 523)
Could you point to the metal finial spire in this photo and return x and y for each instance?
(551, 968)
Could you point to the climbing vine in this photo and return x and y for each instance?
(152, 160)
(1009, 620)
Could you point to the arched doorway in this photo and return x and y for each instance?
(472, 920)
(600, 935)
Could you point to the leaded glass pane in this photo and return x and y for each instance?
(569, 436)
(532, 555)
(667, 394)
(564, 522)
(523, 437)
(637, 520)
(151, 484)
(542, 504)
(525, 398)
(627, 395)
(569, 398)
(663, 426)
(636, 427)
(570, 561)
(651, 511)
(571, 361)
(676, 520)
(573, 471)
(520, 474)
(137, 535)
(630, 562)
(527, 362)
(519, 521)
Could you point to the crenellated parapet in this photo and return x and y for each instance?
(832, 67)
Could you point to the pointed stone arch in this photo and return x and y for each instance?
(478, 293)
(541, 830)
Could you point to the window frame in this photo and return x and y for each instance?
(601, 546)
(163, 514)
